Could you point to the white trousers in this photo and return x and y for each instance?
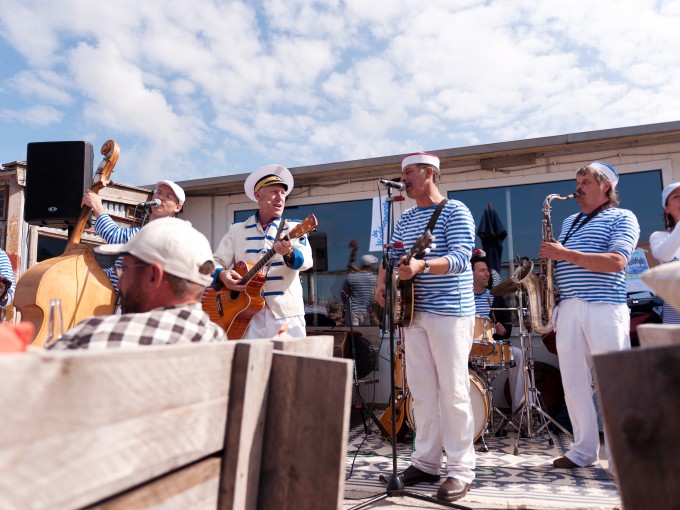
(437, 349)
(265, 325)
(584, 329)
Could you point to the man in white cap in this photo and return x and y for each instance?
(592, 316)
(358, 290)
(438, 341)
(171, 198)
(248, 241)
(164, 272)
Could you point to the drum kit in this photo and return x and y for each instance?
(488, 358)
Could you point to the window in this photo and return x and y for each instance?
(520, 209)
(3, 202)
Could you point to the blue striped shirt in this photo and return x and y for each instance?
(612, 230)
(482, 306)
(454, 238)
(7, 272)
(109, 230)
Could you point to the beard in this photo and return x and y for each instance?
(130, 302)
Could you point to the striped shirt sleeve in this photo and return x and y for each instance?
(7, 272)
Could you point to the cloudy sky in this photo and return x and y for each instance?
(201, 88)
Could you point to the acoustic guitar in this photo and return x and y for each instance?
(403, 297)
(234, 310)
(75, 278)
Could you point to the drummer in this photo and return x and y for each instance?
(502, 327)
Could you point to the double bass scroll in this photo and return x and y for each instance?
(75, 278)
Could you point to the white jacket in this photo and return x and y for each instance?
(247, 241)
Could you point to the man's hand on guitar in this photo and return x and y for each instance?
(283, 247)
(231, 280)
(407, 270)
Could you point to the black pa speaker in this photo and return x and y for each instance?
(57, 176)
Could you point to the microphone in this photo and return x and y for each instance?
(155, 203)
(393, 184)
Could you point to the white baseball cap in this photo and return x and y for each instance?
(179, 192)
(178, 247)
(667, 191)
(368, 260)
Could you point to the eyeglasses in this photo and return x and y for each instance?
(122, 268)
(167, 196)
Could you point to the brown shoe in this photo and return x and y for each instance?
(565, 463)
(412, 476)
(452, 489)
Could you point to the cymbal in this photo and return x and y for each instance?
(504, 288)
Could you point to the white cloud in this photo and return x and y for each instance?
(221, 86)
(37, 116)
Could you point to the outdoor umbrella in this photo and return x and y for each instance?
(492, 233)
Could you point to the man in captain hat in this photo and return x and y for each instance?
(250, 240)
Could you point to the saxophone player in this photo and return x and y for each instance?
(592, 316)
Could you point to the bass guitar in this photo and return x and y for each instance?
(403, 297)
(233, 310)
(75, 278)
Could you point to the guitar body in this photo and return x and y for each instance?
(238, 308)
(386, 418)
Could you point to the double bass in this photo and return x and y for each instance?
(75, 278)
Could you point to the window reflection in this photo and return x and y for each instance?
(520, 209)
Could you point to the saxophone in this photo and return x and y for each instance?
(540, 287)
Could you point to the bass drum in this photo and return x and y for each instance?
(480, 406)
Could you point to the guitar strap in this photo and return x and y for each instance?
(276, 238)
(433, 220)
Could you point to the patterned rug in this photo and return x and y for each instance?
(503, 480)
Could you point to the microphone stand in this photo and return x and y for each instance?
(394, 483)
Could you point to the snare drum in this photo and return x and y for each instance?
(480, 406)
(501, 357)
(482, 339)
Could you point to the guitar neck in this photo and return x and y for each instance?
(257, 267)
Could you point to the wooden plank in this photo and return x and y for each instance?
(194, 487)
(306, 433)
(640, 403)
(654, 335)
(85, 425)
(319, 346)
(245, 425)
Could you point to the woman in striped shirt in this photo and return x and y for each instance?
(665, 244)
(592, 316)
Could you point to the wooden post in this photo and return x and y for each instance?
(640, 402)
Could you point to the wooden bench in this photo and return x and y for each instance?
(237, 425)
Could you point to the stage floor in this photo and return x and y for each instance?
(503, 480)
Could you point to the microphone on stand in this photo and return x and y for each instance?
(151, 203)
(393, 184)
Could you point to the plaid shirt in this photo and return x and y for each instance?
(166, 325)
